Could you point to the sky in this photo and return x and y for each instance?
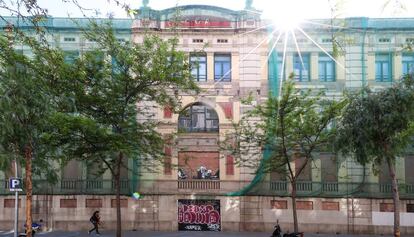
(290, 9)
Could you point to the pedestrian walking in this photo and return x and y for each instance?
(96, 221)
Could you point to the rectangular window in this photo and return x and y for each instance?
(409, 40)
(229, 165)
(409, 175)
(306, 173)
(69, 39)
(198, 64)
(124, 203)
(278, 204)
(93, 203)
(9, 203)
(301, 40)
(275, 64)
(68, 203)
(70, 56)
(408, 63)
(222, 41)
(329, 167)
(222, 67)
(330, 206)
(384, 40)
(198, 40)
(301, 67)
(167, 160)
(116, 67)
(383, 64)
(327, 40)
(326, 68)
(279, 67)
(386, 207)
(304, 205)
(410, 208)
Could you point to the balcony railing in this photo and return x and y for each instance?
(279, 186)
(304, 186)
(385, 188)
(409, 188)
(217, 187)
(199, 184)
(330, 187)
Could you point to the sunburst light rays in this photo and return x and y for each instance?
(276, 33)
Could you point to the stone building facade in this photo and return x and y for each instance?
(230, 52)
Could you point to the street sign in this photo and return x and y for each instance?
(15, 185)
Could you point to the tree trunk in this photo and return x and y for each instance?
(396, 198)
(295, 215)
(118, 195)
(28, 181)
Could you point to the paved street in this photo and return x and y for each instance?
(169, 234)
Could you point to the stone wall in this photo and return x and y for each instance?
(248, 213)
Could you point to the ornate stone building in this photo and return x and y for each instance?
(234, 56)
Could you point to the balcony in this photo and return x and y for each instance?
(214, 187)
(199, 184)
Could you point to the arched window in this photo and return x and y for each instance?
(198, 118)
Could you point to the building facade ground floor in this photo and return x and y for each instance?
(173, 212)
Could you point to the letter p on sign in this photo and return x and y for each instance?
(15, 185)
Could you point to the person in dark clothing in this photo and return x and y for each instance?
(95, 220)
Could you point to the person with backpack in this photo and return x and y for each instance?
(95, 220)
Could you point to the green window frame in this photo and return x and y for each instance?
(383, 67)
(407, 63)
(327, 68)
(70, 56)
(301, 71)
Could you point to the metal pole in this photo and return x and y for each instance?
(16, 203)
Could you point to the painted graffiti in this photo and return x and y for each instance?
(199, 215)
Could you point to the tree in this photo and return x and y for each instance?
(26, 106)
(376, 127)
(106, 116)
(286, 128)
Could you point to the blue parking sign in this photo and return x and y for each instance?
(15, 185)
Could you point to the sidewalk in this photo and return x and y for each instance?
(171, 234)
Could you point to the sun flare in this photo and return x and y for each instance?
(286, 15)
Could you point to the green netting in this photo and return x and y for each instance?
(274, 84)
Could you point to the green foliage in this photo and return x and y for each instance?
(100, 118)
(283, 130)
(286, 128)
(337, 25)
(109, 98)
(378, 125)
(26, 106)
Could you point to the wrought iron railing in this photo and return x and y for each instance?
(216, 187)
